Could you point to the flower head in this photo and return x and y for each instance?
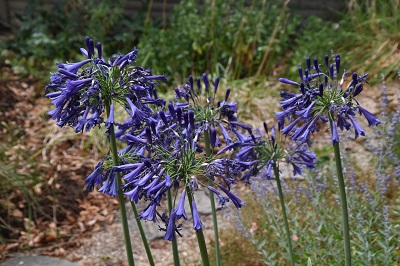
(165, 152)
(81, 91)
(323, 96)
(267, 152)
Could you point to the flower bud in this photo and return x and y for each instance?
(337, 61)
(265, 127)
(326, 60)
(316, 65)
(198, 84)
(216, 85)
(331, 71)
(179, 114)
(191, 82)
(213, 137)
(308, 61)
(300, 73)
(228, 91)
(205, 79)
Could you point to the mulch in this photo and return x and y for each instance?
(43, 204)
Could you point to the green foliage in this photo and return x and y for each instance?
(18, 177)
(236, 250)
(367, 38)
(316, 224)
(225, 38)
(48, 36)
(13, 170)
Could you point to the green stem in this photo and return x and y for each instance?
(212, 200)
(343, 203)
(289, 240)
(199, 234)
(174, 243)
(343, 200)
(143, 235)
(114, 152)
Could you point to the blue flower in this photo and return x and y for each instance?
(170, 232)
(149, 213)
(133, 194)
(235, 200)
(266, 152)
(180, 210)
(288, 81)
(82, 90)
(197, 224)
(321, 98)
(335, 135)
(110, 186)
(222, 199)
(95, 178)
(72, 67)
(372, 120)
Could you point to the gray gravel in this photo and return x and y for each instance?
(37, 261)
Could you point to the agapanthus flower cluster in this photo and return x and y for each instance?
(267, 151)
(165, 151)
(323, 96)
(212, 116)
(82, 91)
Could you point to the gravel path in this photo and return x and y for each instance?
(107, 247)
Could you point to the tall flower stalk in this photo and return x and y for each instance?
(343, 202)
(165, 155)
(267, 152)
(121, 198)
(212, 198)
(174, 244)
(325, 97)
(285, 219)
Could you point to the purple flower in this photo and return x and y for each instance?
(133, 139)
(335, 135)
(213, 137)
(154, 189)
(235, 200)
(180, 210)
(263, 153)
(320, 99)
(145, 179)
(110, 120)
(72, 67)
(197, 224)
(357, 129)
(288, 81)
(149, 213)
(110, 186)
(130, 177)
(268, 172)
(133, 194)
(224, 133)
(297, 169)
(372, 120)
(222, 199)
(170, 232)
(95, 178)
